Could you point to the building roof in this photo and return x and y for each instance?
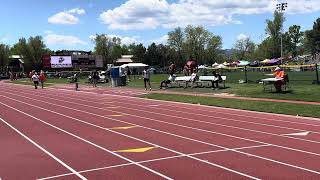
(15, 57)
(126, 56)
(124, 61)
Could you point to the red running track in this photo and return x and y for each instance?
(63, 134)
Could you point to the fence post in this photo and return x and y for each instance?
(317, 73)
(245, 73)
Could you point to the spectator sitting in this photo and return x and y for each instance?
(279, 74)
(166, 82)
(218, 79)
(193, 78)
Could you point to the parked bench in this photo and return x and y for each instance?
(202, 80)
(207, 80)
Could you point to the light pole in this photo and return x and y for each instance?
(281, 7)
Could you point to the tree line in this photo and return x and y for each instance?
(191, 42)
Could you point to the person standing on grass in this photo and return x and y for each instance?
(146, 77)
(31, 74)
(172, 68)
(95, 77)
(35, 79)
(42, 78)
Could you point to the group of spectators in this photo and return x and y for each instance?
(189, 67)
(15, 75)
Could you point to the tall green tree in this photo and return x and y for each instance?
(138, 52)
(37, 49)
(214, 50)
(163, 55)
(152, 55)
(196, 41)
(244, 48)
(295, 37)
(4, 56)
(31, 51)
(104, 45)
(175, 41)
(313, 38)
(273, 29)
(116, 52)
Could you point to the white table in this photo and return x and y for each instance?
(270, 81)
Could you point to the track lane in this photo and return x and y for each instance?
(212, 167)
(73, 150)
(259, 137)
(21, 153)
(231, 121)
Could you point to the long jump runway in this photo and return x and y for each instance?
(64, 134)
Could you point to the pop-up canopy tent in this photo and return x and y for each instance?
(221, 66)
(226, 63)
(202, 67)
(271, 62)
(215, 64)
(243, 63)
(133, 65)
(266, 61)
(254, 64)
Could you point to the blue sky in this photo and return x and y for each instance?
(70, 23)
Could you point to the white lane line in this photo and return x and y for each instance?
(218, 124)
(214, 109)
(89, 142)
(152, 160)
(131, 137)
(298, 134)
(231, 119)
(44, 150)
(189, 119)
(252, 155)
(164, 107)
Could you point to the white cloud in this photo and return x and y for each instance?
(48, 32)
(4, 39)
(55, 39)
(161, 40)
(92, 37)
(127, 40)
(242, 36)
(150, 14)
(77, 11)
(68, 17)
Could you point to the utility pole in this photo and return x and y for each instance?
(281, 7)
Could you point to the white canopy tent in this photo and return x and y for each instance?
(215, 64)
(134, 65)
(221, 66)
(202, 67)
